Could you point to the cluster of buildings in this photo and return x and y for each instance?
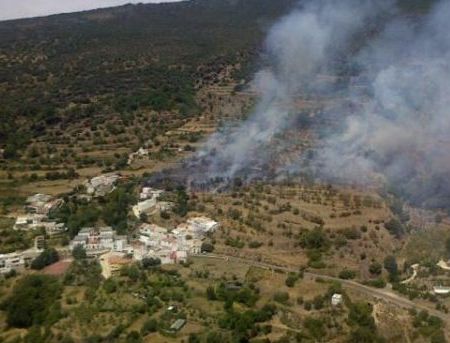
(97, 240)
(38, 208)
(173, 246)
(19, 260)
(169, 246)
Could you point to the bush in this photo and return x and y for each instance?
(281, 297)
(207, 247)
(79, 252)
(390, 264)
(47, 257)
(291, 280)
(377, 283)
(395, 228)
(150, 262)
(110, 286)
(375, 268)
(347, 274)
(211, 293)
(318, 302)
(149, 326)
(351, 233)
(315, 327)
(314, 239)
(254, 245)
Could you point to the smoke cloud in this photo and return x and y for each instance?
(301, 46)
(402, 129)
(379, 84)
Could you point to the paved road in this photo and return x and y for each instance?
(377, 293)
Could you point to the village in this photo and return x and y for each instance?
(113, 251)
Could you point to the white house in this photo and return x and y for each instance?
(144, 207)
(203, 224)
(441, 290)
(101, 185)
(29, 222)
(11, 261)
(336, 299)
(150, 193)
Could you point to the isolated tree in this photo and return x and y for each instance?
(211, 293)
(394, 227)
(79, 252)
(181, 205)
(150, 262)
(47, 257)
(390, 264)
(375, 268)
(207, 247)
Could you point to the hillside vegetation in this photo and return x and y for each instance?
(58, 70)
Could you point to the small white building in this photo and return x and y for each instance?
(441, 290)
(11, 261)
(150, 202)
(149, 193)
(101, 185)
(203, 224)
(29, 222)
(141, 152)
(53, 228)
(145, 206)
(336, 299)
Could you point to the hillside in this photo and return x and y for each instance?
(113, 228)
(63, 69)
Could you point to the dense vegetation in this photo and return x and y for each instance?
(59, 70)
(34, 302)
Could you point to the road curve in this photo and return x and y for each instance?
(380, 294)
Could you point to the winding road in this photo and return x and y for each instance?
(376, 293)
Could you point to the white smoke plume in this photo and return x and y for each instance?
(300, 46)
(390, 100)
(402, 130)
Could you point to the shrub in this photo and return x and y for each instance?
(281, 297)
(351, 233)
(315, 327)
(110, 286)
(47, 257)
(390, 264)
(394, 227)
(207, 247)
(377, 283)
(149, 326)
(375, 268)
(79, 252)
(347, 274)
(254, 245)
(150, 262)
(314, 239)
(291, 280)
